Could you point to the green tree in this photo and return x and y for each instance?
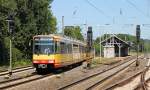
(31, 17)
(74, 32)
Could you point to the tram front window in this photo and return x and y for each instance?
(43, 47)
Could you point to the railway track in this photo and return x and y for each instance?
(141, 74)
(33, 77)
(17, 70)
(18, 75)
(19, 81)
(143, 81)
(99, 77)
(121, 83)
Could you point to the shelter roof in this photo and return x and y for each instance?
(113, 39)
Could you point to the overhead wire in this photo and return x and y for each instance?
(133, 5)
(148, 7)
(96, 8)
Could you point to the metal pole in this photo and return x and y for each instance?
(85, 31)
(94, 52)
(63, 25)
(10, 51)
(100, 49)
(137, 61)
(100, 46)
(10, 66)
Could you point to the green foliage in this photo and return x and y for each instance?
(31, 17)
(147, 46)
(3, 52)
(17, 55)
(21, 63)
(97, 48)
(74, 32)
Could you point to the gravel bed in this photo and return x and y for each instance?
(59, 80)
(3, 68)
(148, 83)
(16, 75)
(6, 68)
(147, 79)
(130, 71)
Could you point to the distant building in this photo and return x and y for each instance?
(115, 47)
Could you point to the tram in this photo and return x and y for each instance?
(56, 51)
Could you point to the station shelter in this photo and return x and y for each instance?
(115, 47)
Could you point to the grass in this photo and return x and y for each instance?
(108, 61)
(105, 61)
(16, 64)
(22, 63)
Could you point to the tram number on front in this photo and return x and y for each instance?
(42, 66)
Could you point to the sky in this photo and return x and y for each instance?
(105, 16)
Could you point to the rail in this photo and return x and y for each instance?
(94, 75)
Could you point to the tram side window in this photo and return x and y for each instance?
(57, 47)
(63, 47)
(69, 46)
(75, 48)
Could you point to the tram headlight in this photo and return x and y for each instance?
(51, 61)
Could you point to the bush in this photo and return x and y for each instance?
(21, 63)
(18, 59)
(17, 55)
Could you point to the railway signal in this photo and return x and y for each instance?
(10, 21)
(89, 44)
(89, 37)
(138, 31)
